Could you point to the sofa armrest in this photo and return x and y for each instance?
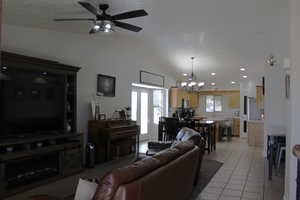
(159, 145)
(44, 197)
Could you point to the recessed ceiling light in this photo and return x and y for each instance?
(243, 69)
(245, 76)
(201, 84)
(233, 82)
(213, 74)
(213, 84)
(185, 74)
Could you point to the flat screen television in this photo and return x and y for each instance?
(31, 103)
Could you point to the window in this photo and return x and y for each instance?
(213, 103)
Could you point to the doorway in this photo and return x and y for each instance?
(148, 104)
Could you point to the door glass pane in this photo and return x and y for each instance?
(157, 113)
(134, 105)
(157, 98)
(157, 105)
(209, 106)
(144, 113)
(218, 104)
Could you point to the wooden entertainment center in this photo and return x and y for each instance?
(38, 138)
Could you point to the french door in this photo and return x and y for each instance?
(147, 105)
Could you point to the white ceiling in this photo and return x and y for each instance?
(221, 34)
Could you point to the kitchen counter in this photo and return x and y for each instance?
(255, 121)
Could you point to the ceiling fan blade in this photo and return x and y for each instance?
(128, 26)
(89, 7)
(74, 19)
(131, 14)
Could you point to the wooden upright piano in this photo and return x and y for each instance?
(113, 138)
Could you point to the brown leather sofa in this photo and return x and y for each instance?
(184, 135)
(168, 175)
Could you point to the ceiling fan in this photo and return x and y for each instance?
(105, 22)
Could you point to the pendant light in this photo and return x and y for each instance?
(191, 84)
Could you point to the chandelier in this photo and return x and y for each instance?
(191, 82)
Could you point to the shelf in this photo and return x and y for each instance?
(40, 138)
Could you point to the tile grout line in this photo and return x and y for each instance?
(242, 194)
(230, 174)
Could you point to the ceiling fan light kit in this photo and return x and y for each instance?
(105, 22)
(103, 26)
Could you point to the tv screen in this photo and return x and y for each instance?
(31, 104)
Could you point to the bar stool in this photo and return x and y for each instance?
(282, 149)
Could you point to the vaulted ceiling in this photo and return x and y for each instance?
(222, 34)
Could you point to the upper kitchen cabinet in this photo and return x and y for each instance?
(193, 99)
(234, 100)
(179, 94)
(259, 97)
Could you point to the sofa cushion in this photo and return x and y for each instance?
(110, 183)
(174, 152)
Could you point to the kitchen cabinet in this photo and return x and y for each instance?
(256, 133)
(193, 98)
(234, 100)
(236, 127)
(259, 97)
(177, 94)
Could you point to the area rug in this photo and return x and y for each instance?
(208, 169)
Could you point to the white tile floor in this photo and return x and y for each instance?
(243, 175)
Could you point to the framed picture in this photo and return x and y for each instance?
(152, 79)
(106, 85)
(287, 86)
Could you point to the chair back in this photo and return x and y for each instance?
(171, 127)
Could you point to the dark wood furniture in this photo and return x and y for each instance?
(31, 164)
(113, 138)
(30, 69)
(38, 124)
